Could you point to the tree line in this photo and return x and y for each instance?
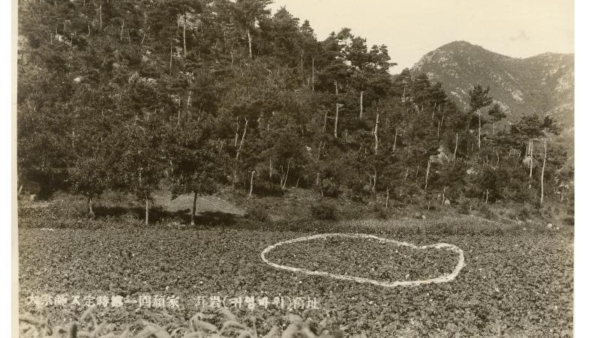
(128, 95)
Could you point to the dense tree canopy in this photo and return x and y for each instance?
(198, 94)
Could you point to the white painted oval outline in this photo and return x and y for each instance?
(442, 279)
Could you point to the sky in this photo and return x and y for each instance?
(412, 28)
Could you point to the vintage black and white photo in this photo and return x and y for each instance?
(288, 168)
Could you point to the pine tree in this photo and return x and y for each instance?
(478, 99)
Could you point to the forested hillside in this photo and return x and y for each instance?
(196, 94)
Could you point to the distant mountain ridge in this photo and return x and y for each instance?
(542, 84)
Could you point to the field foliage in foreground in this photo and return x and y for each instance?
(518, 280)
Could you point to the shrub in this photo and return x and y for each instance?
(464, 207)
(524, 213)
(324, 212)
(330, 189)
(130, 217)
(267, 189)
(487, 213)
(569, 220)
(258, 214)
(353, 211)
(381, 212)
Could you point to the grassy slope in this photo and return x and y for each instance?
(227, 208)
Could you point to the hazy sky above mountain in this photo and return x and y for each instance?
(411, 28)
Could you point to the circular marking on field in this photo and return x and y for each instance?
(442, 279)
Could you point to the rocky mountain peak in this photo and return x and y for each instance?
(541, 84)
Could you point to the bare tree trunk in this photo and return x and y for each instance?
(184, 41)
(395, 139)
(90, 208)
(325, 122)
(361, 104)
(427, 173)
(542, 174)
(387, 197)
(178, 109)
(530, 161)
(442, 121)
(237, 155)
(337, 113)
(237, 129)
(122, 27)
(455, 147)
(249, 42)
(20, 189)
(375, 134)
(270, 168)
(171, 61)
(444, 195)
(147, 210)
(337, 109)
(319, 151)
(100, 15)
(404, 94)
(313, 74)
(281, 176)
(487, 195)
(286, 175)
(479, 131)
(193, 215)
(251, 183)
(530, 158)
(188, 104)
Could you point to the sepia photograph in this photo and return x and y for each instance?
(294, 168)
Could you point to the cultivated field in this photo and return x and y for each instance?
(518, 279)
